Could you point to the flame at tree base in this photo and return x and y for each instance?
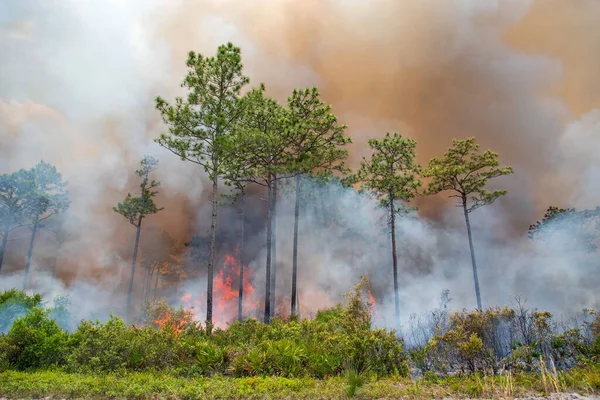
(225, 295)
(175, 323)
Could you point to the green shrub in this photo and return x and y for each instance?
(15, 304)
(492, 340)
(35, 341)
(114, 346)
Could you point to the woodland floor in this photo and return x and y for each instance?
(576, 384)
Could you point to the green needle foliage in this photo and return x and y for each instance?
(199, 124)
(317, 143)
(258, 153)
(576, 229)
(465, 172)
(136, 208)
(17, 198)
(392, 175)
(50, 198)
(318, 139)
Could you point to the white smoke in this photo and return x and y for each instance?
(78, 82)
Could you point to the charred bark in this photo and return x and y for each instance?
(241, 253)
(295, 250)
(211, 256)
(267, 315)
(274, 245)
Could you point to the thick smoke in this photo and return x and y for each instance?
(78, 79)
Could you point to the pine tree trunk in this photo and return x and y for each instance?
(145, 287)
(241, 258)
(133, 262)
(4, 243)
(395, 261)
(295, 250)
(149, 289)
(147, 292)
(473, 261)
(156, 284)
(29, 254)
(211, 256)
(267, 315)
(274, 246)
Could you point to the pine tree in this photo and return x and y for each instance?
(199, 125)
(17, 197)
(317, 143)
(392, 175)
(52, 199)
(465, 173)
(259, 154)
(136, 208)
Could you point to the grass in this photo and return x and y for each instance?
(354, 381)
(163, 386)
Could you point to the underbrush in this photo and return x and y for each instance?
(340, 342)
(151, 385)
(498, 341)
(171, 341)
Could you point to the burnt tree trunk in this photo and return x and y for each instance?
(133, 262)
(211, 255)
(29, 254)
(241, 258)
(274, 246)
(473, 261)
(267, 315)
(295, 250)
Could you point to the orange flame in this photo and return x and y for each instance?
(166, 320)
(372, 301)
(226, 294)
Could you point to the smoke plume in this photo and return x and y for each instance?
(78, 79)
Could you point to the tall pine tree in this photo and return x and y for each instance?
(135, 209)
(52, 199)
(316, 146)
(392, 175)
(17, 196)
(465, 173)
(199, 125)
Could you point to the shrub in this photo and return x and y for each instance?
(35, 341)
(114, 346)
(15, 304)
(337, 340)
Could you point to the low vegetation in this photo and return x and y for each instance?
(499, 351)
(171, 342)
(147, 385)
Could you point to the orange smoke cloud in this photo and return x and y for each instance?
(510, 73)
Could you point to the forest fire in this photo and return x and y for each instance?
(167, 320)
(226, 294)
(371, 300)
